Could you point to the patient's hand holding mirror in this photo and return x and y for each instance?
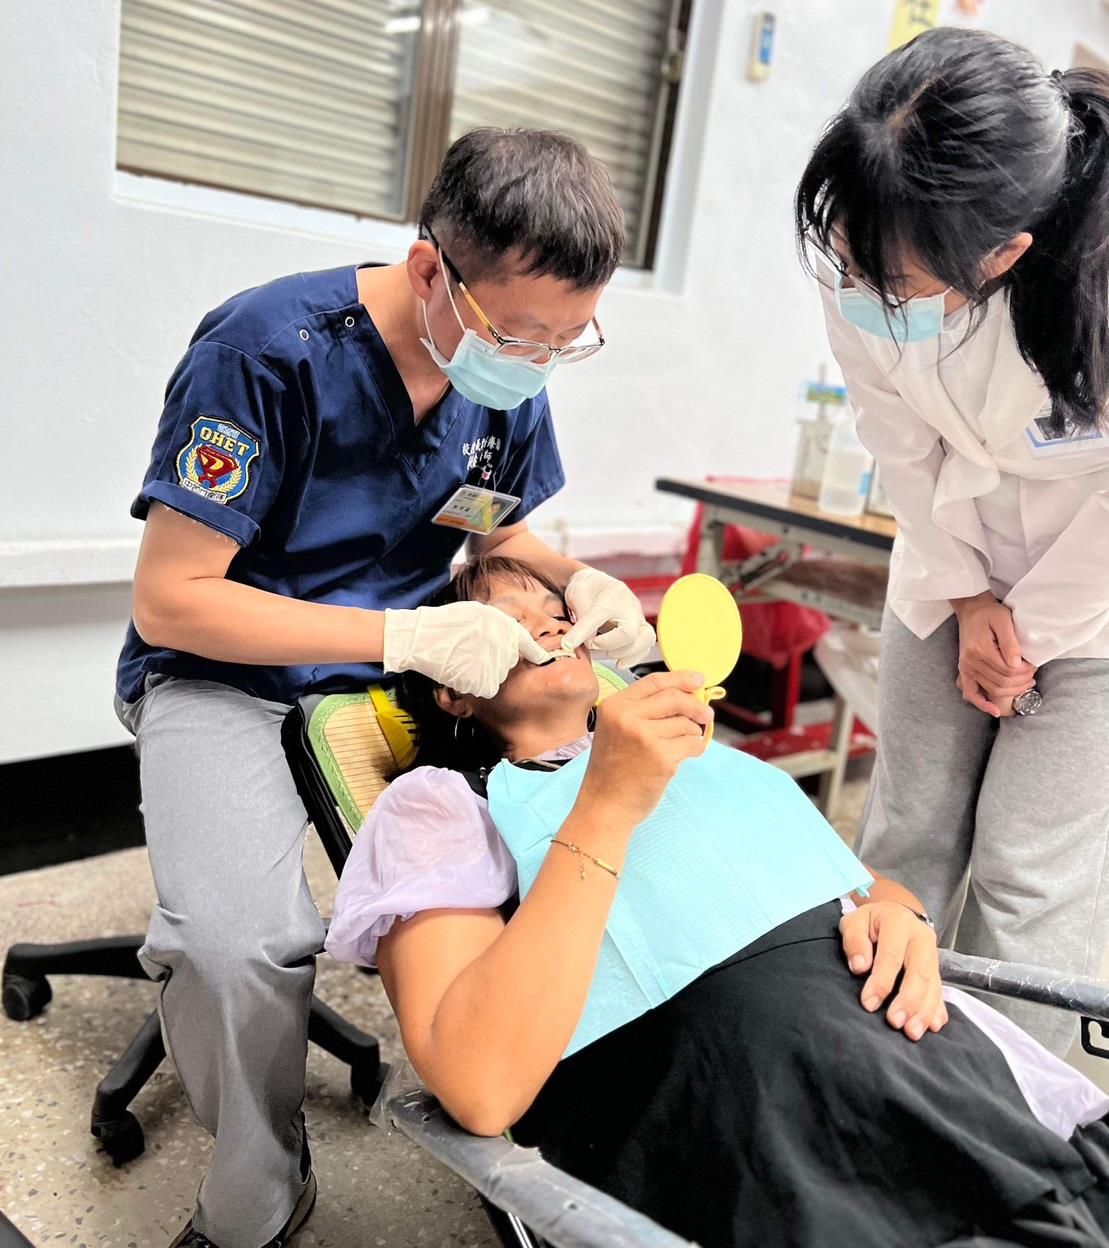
(700, 630)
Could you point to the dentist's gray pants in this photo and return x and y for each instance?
(233, 939)
(1020, 805)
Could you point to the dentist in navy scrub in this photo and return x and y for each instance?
(960, 202)
(328, 442)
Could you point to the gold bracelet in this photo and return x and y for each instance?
(577, 849)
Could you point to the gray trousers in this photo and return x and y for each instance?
(1012, 815)
(233, 939)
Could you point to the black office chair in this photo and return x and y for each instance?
(27, 992)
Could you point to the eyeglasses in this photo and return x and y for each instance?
(838, 265)
(519, 348)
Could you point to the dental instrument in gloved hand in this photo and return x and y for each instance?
(608, 618)
(468, 646)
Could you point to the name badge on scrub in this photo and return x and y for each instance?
(475, 510)
(1047, 441)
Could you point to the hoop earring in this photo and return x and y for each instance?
(591, 719)
(457, 720)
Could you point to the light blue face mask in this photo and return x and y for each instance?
(481, 375)
(915, 320)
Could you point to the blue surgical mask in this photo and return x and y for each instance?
(915, 320)
(481, 375)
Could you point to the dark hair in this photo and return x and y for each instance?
(444, 740)
(948, 148)
(535, 198)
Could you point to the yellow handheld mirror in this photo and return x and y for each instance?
(700, 630)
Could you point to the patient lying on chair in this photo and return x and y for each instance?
(680, 999)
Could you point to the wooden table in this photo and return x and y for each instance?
(846, 580)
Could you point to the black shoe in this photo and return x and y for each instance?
(189, 1237)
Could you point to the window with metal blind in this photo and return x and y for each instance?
(292, 100)
(600, 70)
(351, 104)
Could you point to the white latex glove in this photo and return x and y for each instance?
(598, 601)
(468, 646)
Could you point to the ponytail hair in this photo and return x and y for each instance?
(948, 148)
(1059, 290)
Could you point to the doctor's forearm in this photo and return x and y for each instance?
(232, 623)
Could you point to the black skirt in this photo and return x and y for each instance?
(764, 1106)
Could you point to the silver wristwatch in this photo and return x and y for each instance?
(1029, 702)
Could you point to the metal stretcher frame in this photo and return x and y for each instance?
(541, 1199)
(531, 1203)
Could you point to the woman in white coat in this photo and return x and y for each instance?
(959, 209)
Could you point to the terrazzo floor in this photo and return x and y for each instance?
(376, 1191)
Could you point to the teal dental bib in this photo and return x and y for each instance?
(733, 849)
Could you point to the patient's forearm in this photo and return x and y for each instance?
(505, 1021)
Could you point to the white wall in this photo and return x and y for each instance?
(104, 278)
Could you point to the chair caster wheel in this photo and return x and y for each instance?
(25, 998)
(365, 1082)
(121, 1138)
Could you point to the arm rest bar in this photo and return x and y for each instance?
(1027, 983)
(564, 1211)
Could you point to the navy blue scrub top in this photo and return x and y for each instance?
(287, 427)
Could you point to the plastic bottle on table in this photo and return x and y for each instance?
(846, 480)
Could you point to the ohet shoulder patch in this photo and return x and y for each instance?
(215, 462)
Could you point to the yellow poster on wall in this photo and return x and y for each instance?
(911, 18)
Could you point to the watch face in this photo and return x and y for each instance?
(1028, 703)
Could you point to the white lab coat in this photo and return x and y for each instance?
(983, 498)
